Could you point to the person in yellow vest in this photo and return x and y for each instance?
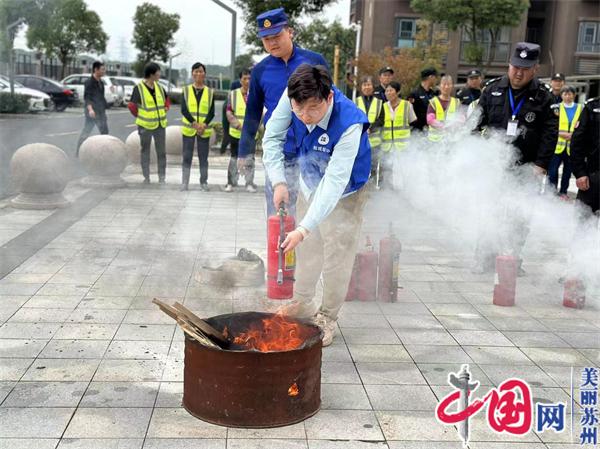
(236, 110)
(198, 110)
(371, 105)
(444, 111)
(395, 120)
(149, 104)
(568, 118)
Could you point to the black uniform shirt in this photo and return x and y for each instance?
(420, 100)
(585, 143)
(379, 92)
(468, 95)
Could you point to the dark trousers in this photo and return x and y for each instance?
(232, 171)
(88, 126)
(146, 136)
(555, 162)
(188, 155)
(591, 196)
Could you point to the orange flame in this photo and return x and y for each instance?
(272, 334)
(293, 390)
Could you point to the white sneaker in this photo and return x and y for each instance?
(327, 325)
(228, 188)
(298, 309)
(250, 188)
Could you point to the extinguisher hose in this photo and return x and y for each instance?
(281, 214)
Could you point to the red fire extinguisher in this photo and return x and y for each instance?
(574, 293)
(280, 266)
(387, 276)
(505, 282)
(363, 284)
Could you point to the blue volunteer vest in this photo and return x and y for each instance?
(314, 149)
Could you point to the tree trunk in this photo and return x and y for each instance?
(64, 60)
(494, 33)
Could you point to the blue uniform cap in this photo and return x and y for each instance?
(271, 22)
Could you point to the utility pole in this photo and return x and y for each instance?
(356, 52)
(233, 34)
(9, 43)
(170, 68)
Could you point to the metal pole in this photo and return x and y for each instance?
(233, 33)
(356, 52)
(9, 48)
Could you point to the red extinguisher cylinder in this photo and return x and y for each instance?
(387, 276)
(505, 284)
(280, 266)
(574, 293)
(363, 283)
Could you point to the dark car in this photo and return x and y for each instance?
(61, 96)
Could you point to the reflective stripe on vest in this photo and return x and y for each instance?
(434, 134)
(397, 132)
(151, 113)
(238, 105)
(563, 126)
(374, 108)
(198, 111)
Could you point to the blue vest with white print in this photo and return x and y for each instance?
(315, 148)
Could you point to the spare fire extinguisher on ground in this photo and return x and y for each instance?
(280, 266)
(505, 282)
(387, 276)
(363, 284)
(574, 293)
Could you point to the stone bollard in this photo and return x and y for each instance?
(134, 152)
(174, 142)
(40, 172)
(104, 157)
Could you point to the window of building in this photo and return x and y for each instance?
(405, 32)
(483, 36)
(589, 37)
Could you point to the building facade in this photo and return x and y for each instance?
(567, 30)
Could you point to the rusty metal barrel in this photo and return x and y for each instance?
(251, 389)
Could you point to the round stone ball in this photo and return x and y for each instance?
(174, 140)
(134, 149)
(103, 156)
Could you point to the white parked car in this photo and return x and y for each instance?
(38, 101)
(111, 91)
(127, 83)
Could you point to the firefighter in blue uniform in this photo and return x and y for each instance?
(334, 154)
(268, 81)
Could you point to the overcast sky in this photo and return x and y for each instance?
(204, 32)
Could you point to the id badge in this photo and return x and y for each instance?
(513, 128)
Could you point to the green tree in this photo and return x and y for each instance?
(65, 28)
(293, 8)
(243, 61)
(322, 37)
(476, 18)
(153, 34)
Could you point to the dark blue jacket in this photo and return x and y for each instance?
(268, 81)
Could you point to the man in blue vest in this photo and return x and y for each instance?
(334, 155)
(268, 81)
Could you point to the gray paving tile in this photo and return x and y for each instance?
(426, 322)
(437, 373)
(389, 373)
(124, 349)
(5, 389)
(84, 331)
(47, 370)
(109, 423)
(465, 321)
(178, 423)
(401, 397)
(344, 397)
(534, 375)
(556, 356)
(363, 321)
(75, 349)
(267, 444)
(96, 316)
(45, 394)
(294, 431)
(370, 336)
(104, 443)
(170, 394)
(343, 425)
(350, 444)
(28, 443)
(29, 331)
(522, 324)
(184, 443)
(162, 332)
(379, 353)
(120, 394)
(430, 336)
(490, 355)
(93, 301)
(33, 315)
(336, 353)
(57, 302)
(33, 422)
(21, 348)
(426, 445)
(437, 354)
(536, 339)
(339, 373)
(563, 325)
(588, 340)
(480, 338)
(129, 371)
(414, 426)
(13, 369)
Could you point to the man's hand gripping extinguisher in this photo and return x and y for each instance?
(280, 266)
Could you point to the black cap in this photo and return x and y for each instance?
(474, 74)
(558, 76)
(428, 72)
(525, 54)
(386, 69)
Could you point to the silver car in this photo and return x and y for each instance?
(38, 101)
(111, 92)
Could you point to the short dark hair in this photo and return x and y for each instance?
(197, 65)
(244, 72)
(150, 69)
(309, 81)
(395, 85)
(566, 89)
(97, 65)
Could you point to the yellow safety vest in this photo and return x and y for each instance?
(396, 132)
(199, 111)
(372, 114)
(238, 105)
(151, 113)
(563, 126)
(434, 134)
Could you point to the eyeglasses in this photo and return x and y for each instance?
(311, 110)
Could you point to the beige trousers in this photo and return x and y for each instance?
(329, 250)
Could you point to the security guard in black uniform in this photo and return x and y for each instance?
(585, 155)
(386, 76)
(519, 106)
(472, 91)
(557, 82)
(421, 95)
